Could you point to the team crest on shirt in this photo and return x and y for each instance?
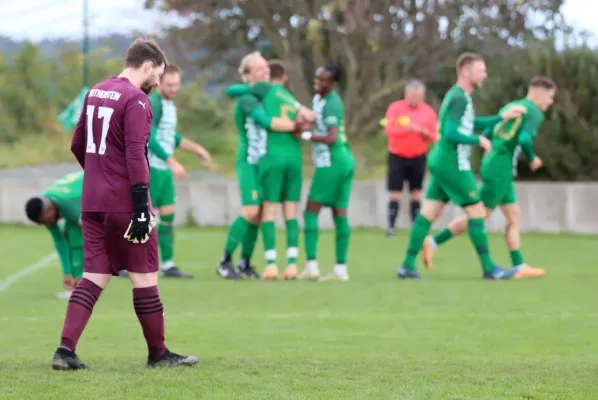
(254, 194)
(473, 194)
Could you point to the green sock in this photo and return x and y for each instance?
(479, 238)
(419, 231)
(311, 235)
(236, 234)
(269, 238)
(516, 257)
(249, 242)
(343, 234)
(166, 238)
(442, 236)
(77, 269)
(292, 241)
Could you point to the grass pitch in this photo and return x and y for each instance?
(449, 336)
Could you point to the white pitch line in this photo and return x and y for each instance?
(43, 263)
(25, 272)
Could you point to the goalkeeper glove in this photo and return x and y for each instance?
(142, 221)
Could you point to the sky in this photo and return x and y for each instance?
(38, 19)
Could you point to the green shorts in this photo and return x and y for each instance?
(497, 188)
(458, 187)
(247, 175)
(280, 181)
(331, 186)
(74, 237)
(498, 193)
(162, 188)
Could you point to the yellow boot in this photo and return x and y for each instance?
(290, 273)
(270, 273)
(525, 271)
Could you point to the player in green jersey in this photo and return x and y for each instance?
(281, 175)
(59, 210)
(253, 124)
(333, 177)
(451, 176)
(498, 169)
(164, 168)
(280, 170)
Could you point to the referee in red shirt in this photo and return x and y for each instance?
(411, 125)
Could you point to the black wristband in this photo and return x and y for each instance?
(140, 196)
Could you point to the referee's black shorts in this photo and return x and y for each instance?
(401, 169)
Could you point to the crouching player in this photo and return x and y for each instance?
(59, 209)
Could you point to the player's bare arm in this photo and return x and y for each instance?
(190, 146)
(156, 148)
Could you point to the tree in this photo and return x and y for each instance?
(38, 88)
(379, 43)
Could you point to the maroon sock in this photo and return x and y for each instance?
(150, 312)
(78, 311)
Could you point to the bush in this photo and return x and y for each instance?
(568, 139)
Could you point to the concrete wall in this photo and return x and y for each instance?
(546, 207)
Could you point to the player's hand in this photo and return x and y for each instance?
(204, 156)
(177, 169)
(485, 144)
(302, 125)
(536, 164)
(141, 225)
(306, 114)
(306, 126)
(69, 283)
(513, 112)
(142, 221)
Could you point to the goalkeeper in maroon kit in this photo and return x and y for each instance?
(110, 143)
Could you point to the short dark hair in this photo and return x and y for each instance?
(543, 82)
(467, 59)
(34, 208)
(277, 69)
(335, 71)
(142, 50)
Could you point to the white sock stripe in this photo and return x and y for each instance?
(270, 254)
(292, 252)
(167, 265)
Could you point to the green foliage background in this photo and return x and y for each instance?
(34, 89)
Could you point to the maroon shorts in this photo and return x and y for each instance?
(106, 251)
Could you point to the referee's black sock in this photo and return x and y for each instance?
(415, 206)
(393, 213)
